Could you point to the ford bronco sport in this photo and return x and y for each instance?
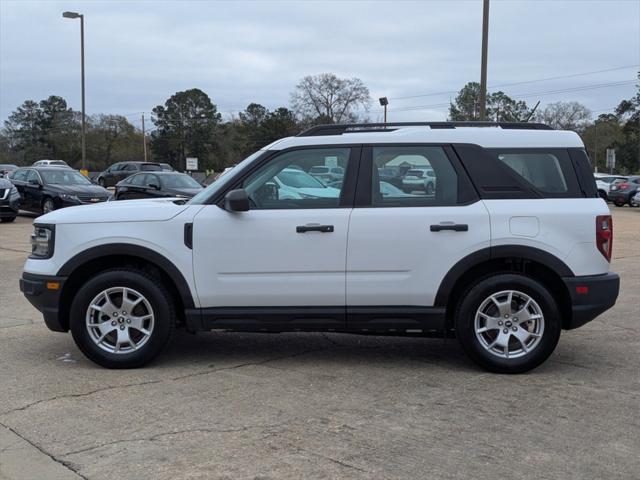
(511, 246)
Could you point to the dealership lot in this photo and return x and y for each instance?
(305, 405)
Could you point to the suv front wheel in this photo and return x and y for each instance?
(122, 318)
(508, 323)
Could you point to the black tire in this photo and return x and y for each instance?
(619, 204)
(7, 219)
(154, 292)
(474, 297)
(48, 205)
(430, 189)
(102, 183)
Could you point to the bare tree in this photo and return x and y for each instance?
(565, 116)
(330, 99)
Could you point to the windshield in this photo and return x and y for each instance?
(221, 183)
(179, 181)
(298, 179)
(63, 177)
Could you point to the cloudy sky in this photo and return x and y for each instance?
(416, 53)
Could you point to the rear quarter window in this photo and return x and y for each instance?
(549, 171)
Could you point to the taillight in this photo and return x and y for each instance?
(604, 235)
(623, 186)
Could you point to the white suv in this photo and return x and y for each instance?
(512, 247)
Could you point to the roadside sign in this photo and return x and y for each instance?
(192, 163)
(611, 158)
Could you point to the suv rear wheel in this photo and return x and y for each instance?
(508, 323)
(122, 318)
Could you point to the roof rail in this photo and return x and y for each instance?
(339, 129)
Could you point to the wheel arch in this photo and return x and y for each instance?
(538, 264)
(93, 260)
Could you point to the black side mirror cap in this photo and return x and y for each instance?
(236, 201)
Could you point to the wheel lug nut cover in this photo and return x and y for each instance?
(506, 330)
(113, 323)
(121, 327)
(500, 323)
(514, 328)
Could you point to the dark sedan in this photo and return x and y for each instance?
(622, 192)
(156, 185)
(44, 189)
(9, 201)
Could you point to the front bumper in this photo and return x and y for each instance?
(9, 207)
(40, 291)
(590, 296)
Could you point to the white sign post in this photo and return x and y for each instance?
(192, 163)
(611, 159)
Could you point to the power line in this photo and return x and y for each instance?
(559, 77)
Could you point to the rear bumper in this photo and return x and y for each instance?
(620, 196)
(38, 290)
(591, 296)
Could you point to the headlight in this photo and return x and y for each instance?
(72, 198)
(42, 241)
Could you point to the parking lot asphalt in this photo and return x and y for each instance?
(315, 406)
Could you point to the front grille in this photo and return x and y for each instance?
(91, 199)
(3, 192)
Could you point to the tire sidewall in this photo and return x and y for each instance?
(465, 322)
(156, 296)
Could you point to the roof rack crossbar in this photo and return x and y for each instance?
(339, 129)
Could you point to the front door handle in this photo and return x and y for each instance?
(456, 227)
(314, 228)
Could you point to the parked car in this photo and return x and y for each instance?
(44, 189)
(9, 201)
(621, 192)
(635, 200)
(120, 171)
(51, 163)
(487, 257)
(421, 179)
(604, 182)
(294, 184)
(327, 174)
(6, 169)
(157, 185)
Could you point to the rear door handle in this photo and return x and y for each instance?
(456, 227)
(314, 228)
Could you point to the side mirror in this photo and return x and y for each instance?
(154, 186)
(236, 201)
(34, 182)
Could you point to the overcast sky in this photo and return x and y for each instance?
(138, 53)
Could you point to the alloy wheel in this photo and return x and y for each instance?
(509, 324)
(120, 320)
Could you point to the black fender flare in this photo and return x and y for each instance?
(151, 256)
(492, 253)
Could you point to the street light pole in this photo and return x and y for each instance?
(483, 67)
(81, 17)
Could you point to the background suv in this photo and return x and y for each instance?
(513, 246)
(122, 170)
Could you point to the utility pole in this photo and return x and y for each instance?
(144, 140)
(483, 67)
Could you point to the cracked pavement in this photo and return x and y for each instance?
(316, 406)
